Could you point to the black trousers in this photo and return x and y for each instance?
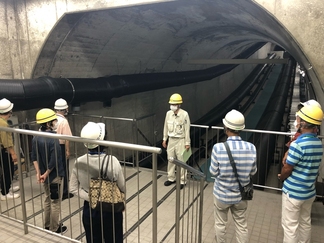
(108, 223)
(66, 166)
(7, 171)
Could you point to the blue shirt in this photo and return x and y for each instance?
(226, 187)
(47, 152)
(305, 155)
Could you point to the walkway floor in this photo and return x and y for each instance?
(264, 213)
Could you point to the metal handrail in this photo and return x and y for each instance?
(202, 177)
(104, 117)
(187, 167)
(85, 140)
(260, 131)
(121, 145)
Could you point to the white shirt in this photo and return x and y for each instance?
(177, 126)
(88, 166)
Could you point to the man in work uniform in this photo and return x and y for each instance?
(177, 132)
(63, 128)
(299, 174)
(8, 154)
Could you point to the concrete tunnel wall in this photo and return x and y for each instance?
(25, 26)
(210, 94)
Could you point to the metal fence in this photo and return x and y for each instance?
(154, 213)
(146, 197)
(138, 130)
(270, 145)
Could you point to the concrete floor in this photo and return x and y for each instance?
(264, 215)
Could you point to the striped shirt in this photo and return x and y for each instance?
(226, 187)
(305, 155)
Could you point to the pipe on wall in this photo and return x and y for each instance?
(42, 92)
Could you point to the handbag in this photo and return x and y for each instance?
(246, 191)
(104, 194)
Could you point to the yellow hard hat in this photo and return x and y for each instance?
(311, 114)
(175, 99)
(45, 115)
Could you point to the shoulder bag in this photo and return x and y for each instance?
(104, 194)
(246, 191)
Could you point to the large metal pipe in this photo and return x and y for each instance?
(42, 92)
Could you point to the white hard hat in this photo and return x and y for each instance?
(234, 120)
(311, 103)
(60, 104)
(93, 130)
(5, 106)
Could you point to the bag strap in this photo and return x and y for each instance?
(103, 171)
(232, 163)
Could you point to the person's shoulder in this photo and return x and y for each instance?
(219, 145)
(183, 112)
(50, 139)
(62, 120)
(249, 144)
(113, 158)
(81, 158)
(3, 123)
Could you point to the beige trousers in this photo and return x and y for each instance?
(175, 149)
(239, 217)
(296, 219)
(52, 208)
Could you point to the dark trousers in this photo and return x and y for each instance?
(7, 171)
(66, 166)
(109, 220)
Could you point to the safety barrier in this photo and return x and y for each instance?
(144, 201)
(133, 130)
(271, 147)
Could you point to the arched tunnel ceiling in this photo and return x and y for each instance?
(161, 37)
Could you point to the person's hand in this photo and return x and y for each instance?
(279, 178)
(14, 158)
(43, 177)
(187, 147)
(164, 144)
(38, 178)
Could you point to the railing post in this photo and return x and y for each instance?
(201, 209)
(206, 153)
(177, 212)
(21, 181)
(154, 198)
